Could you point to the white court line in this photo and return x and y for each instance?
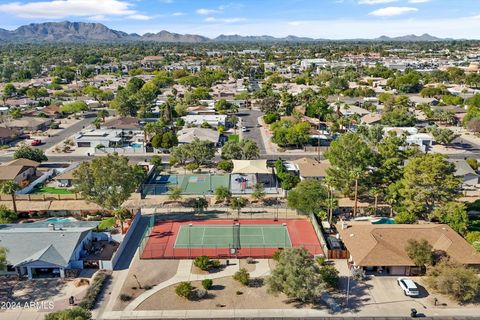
(203, 235)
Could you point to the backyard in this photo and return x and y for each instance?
(51, 190)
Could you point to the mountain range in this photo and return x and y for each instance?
(82, 31)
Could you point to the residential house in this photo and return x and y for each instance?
(308, 168)
(66, 178)
(371, 119)
(30, 123)
(188, 135)
(105, 137)
(380, 248)
(211, 120)
(463, 170)
(7, 135)
(123, 123)
(42, 250)
(18, 170)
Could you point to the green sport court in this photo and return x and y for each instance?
(233, 236)
(194, 184)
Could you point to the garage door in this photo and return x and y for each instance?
(397, 271)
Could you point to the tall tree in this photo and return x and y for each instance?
(429, 181)
(108, 181)
(27, 152)
(421, 252)
(348, 155)
(308, 197)
(454, 214)
(297, 276)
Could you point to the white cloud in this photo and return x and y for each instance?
(392, 11)
(224, 20)
(418, 1)
(206, 12)
(138, 16)
(375, 1)
(59, 9)
(178, 14)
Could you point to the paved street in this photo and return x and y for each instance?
(249, 120)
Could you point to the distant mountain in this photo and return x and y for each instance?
(265, 38)
(410, 38)
(63, 31)
(82, 31)
(165, 36)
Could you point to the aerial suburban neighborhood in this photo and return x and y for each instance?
(178, 176)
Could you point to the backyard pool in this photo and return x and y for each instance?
(136, 145)
(57, 220)
(383, 220)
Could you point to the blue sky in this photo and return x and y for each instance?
(334, 19)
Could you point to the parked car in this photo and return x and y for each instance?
(36, 142)
(408, 286)
(244, 129)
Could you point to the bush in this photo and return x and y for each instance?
(271, 117)
(359, 275)
(125, 297)
(330, 276)
(207, 284)
(215, 264)
(184, 289)
(242, 276)
(225, 165)
(93, 291)
(201, 293)
(473, 163)
(455, 280)
(276, 255)
(405, 218)
(76, 313)
(202, 262)
(321, 261)
(239, 293)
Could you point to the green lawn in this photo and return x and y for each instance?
(51, 190)
(106, 224)
(233, 137)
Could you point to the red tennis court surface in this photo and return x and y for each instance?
(161, 241)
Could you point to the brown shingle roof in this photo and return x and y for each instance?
(23, 162)
(384, 245)
(312, 168)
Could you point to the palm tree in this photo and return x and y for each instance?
(102, 114)
(331, 202)
(10, 187)
(258, 191)
(356, 174)
(122, 214)
(237, 203)
(376, 192)
(175, 194)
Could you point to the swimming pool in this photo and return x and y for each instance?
(136, 145)
(383, 220)
(58, 220)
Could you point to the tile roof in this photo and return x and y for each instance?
(384, 245)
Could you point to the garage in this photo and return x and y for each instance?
(43, 273)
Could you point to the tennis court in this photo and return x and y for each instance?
(233, 236)
(216, 238)
(189, 184)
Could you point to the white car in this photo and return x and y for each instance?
(408, 286)
(244, 129)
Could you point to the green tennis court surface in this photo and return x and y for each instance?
(228, 236)
(189, 184)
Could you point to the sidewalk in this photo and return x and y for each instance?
(184, 274)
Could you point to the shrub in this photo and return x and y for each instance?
(76, 313)
(455, 280)
(330, 276)
(125, 297)
(201, 293)
(276, 255)
(358, 274)
(184, 289)
(225, 165)
(147, 287)
(202, 262)
(242, 276)
(271, 117)
(93, 291)
(239, 293)
(320, 260)
(215, 264)
(207, 284)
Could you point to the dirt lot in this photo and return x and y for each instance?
(149, 273)
(222, 295)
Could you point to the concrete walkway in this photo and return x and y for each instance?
(184, 274)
